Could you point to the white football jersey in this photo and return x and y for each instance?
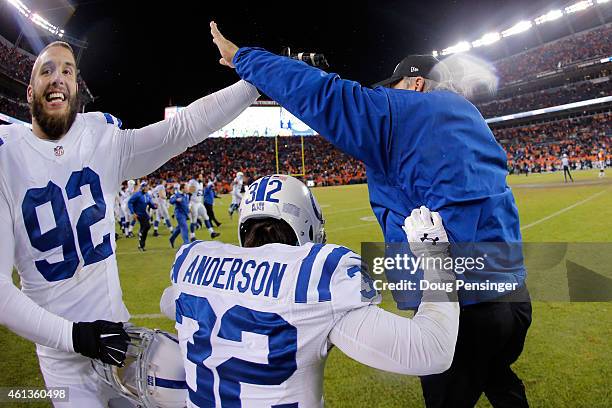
(197, 197)
(61, 197)
(237, 185)
(253, 323)
(156, 193)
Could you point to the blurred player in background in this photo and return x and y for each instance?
(180, 200)
(566, 167)
(197, 210)
(237, 184)
(56, 218)
(161, 212)
(601, 158)
(139, 205)
(128, 226)
(256, 323)
(209, 201)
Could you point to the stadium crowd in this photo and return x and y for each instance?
(538, 147)
(17, 64)
(15, 108)
(256, 156)
(555, 55)
(546, 98)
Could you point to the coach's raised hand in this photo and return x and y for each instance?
(227, 48)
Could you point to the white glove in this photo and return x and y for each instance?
(427, 238)
(425, 226)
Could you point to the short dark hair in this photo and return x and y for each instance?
(261, 231)
(51, 44)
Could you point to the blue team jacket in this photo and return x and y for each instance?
(139, 203)
(209, 195)
(432, 149)
(181, 208)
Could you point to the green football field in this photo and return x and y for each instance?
(567, 361)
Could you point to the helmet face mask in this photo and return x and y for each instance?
(153, 375)
(284, 198)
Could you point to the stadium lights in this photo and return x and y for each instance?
(486, 39)
(581, 5)
(517, 28)
(20, 7)
(550, 16)
(36, 19)
(459, 47)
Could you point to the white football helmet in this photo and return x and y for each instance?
(153, 375)
(284, 198)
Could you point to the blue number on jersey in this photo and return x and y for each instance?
(61, 235)
(198, 309)
(282, 352)
(258, 190)
(281, 365)
(90, 215)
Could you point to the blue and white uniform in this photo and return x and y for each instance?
(161, 212)
(255, 325)
(196, 207)
(57, 225)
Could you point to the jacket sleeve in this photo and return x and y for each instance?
(131, 202)
(354, 118)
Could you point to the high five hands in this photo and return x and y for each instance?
(227, 49)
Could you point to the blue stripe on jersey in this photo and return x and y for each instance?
(292, 405)
(109, 119)
(353, 270)
(330, 265)
(179, 261)
(119, 123)
(1, 141)
(301, 287)
(174, 384)
(261, 190)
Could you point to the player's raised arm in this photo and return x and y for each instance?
(422, 345)
(144, 150)
(354, 118)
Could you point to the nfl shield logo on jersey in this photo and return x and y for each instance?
(59, 150)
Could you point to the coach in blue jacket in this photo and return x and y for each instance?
(180, 200)
(139, 204)
(421, 148)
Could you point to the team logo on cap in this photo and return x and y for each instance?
(59, 151)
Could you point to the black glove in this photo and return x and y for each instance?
(106, 341)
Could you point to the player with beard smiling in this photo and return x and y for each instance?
(57, 186)
(53, 104)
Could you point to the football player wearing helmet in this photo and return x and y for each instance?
(237, 184)
(255, 323)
